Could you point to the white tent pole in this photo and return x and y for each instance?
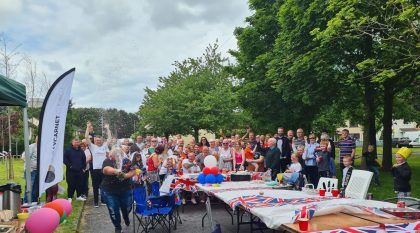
(27, 156)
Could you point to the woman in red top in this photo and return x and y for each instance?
(153, 169)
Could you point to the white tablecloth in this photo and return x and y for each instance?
(275, 216)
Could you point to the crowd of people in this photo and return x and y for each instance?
(116, 166)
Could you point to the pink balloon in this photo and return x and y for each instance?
(44, 220)
(65, 204)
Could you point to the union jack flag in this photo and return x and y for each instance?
(305, 212)
(186, 185)
(393, 228)
(255, 201)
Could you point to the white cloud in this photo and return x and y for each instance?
(118, 48)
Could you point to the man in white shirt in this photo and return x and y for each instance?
(189, 165)
(99, 154)
(139, 142)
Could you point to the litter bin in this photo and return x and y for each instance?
(11, 197)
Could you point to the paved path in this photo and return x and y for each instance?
(97, 220)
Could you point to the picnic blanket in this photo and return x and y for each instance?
(394, 228)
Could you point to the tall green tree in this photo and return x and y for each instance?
(198, 94)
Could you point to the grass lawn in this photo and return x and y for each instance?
(385, 190)
(71, 224)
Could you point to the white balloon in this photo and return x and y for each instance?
(210, 161)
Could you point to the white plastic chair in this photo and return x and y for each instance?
(358, 184)
(328, 184)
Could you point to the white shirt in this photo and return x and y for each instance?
(144, 154)
(193, 169)
(98, 154)
(295, 167)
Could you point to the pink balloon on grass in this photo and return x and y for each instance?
(44, 220)
(65, 204)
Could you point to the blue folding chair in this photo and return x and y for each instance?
(146, 214)
(166, 209)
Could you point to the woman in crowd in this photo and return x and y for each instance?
(203, 142)
(116, 188)
(239, 157)
(153, 169)
(309, 156)
(225, 156)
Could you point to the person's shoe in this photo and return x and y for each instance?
(127, 222)
(96, 205)
(69, 199)
(194, 201)
(118, 231)
(184, 202)
(103, 203)
(81, 198)
(84, 196)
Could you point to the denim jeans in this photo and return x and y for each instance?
(116, 201)
(333, 172)
(375, 171)
(34, 177)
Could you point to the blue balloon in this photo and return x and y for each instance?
(219, 178)
(201, 178)
(210, 179)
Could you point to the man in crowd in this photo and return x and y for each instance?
(139, 142)
(284, 147)
(100, 152)
(300, 139)
(272, 158)
(32, 156)
(347, 147)
(200, 158)
(75, 161)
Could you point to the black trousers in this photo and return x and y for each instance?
(97, 177)
(74, 183)
(312, 174)
(86, 182)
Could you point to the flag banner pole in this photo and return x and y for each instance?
(51, 132)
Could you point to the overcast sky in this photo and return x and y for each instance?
(117, 46)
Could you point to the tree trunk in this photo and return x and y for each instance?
(387, 124)
(369, 128)
(196, 134)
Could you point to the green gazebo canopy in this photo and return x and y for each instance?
(12, 93)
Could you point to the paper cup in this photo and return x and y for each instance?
(322, 192)
(335, 192)
(303, 224)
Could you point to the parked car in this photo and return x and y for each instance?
(401, 142)
(415, 143)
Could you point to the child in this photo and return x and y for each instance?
(372, 163)
(292, 172)
(137, 164)
(401, 172)
(348, 169)
(323, 157)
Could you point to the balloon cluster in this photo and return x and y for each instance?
(47, 219)
(210, 173)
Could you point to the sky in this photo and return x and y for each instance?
(117, 47)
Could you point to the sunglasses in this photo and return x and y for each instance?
(225, 143)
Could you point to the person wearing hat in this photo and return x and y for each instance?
(401, 172)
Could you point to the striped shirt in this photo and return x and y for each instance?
(346, 146)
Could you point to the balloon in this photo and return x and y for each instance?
(206, 170)
(210, 179)
(201, 178)
(210, 161)
(65, 204)
(55, 206)
(63, 218)
(44, 220)
(219, 178)
(214, 170)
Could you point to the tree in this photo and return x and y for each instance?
(198, 94)
(383, 35)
